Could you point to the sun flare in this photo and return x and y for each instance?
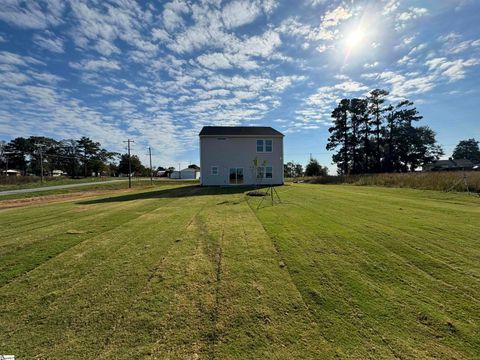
(355, 38)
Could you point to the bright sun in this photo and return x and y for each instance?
(356, 38)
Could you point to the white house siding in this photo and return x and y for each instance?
(239, 152)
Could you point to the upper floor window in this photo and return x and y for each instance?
(264, 145)
(268, 145)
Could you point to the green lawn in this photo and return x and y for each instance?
(184, 272)
(22, 182)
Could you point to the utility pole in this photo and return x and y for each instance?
(129, 163)
(39, 146)
(5, 155)
(179, 172)
(151, 169)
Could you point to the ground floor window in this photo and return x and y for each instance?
(264, 172)
(214, 170)
(236, 176)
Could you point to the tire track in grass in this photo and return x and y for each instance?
(261, 313)
(121, 341)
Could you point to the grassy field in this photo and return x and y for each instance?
(95, 186)
(185, 272)
(30, 182)
(435, 180)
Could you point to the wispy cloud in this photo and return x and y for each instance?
(49, 42)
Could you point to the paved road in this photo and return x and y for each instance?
(56, 187)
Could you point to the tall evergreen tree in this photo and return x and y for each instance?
(376, 99)
(339, 135)
(358, 124)
(358, 113)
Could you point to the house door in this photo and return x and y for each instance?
(236, 176)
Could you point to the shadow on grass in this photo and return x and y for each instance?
(178, 192)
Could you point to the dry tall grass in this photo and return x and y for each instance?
(441, 181)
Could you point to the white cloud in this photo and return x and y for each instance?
(371, 65)
(453, 43)
(240, 12)
(173, 14)
(390, 7)
(32, 14)
(49, 42)
(94, 65)
(452, 69)
(410, 14)
(160, 35)
(7, 57)
(334, 17)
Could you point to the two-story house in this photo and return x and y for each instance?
(241, 155)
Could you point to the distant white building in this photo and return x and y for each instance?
(186, 174)
(57, 173)
(11, 172)
(241, 155)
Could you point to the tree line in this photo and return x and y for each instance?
(75, 157)
(370, 135)
(313, 168)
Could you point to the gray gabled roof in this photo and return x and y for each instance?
(239, 131)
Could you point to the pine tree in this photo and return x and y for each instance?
(339, 135)
(376, 100)
(358, 113)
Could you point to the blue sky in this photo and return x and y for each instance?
(156, 72)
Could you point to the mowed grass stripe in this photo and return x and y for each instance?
(97, 278)
(220, 293)
(172, 315)
(260, 312)
(419, 248)
(25, 254)
(350, 250)
(404, 219)
(40, 217)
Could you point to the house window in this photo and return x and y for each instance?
(259, 145)
(264, 145)
(268, 145)
(214, 170)
(268, 172)
(260, 172)
(264, 172)
(236, 176)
